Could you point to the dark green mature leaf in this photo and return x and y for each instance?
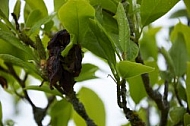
(176, 114)
(154, 9)
(129, 69)
(7, 48)
(74, 15)
(188, 84)
(179, 13)
(99, 42)
(6, 20)
(4, 27)
(94, 108)
(136, 88)
(18, 62)
(34, 16)
(4, 7)
(87, 72)
(179, 55)
(148, 46)
(186, 119)
(17, 8)
(105, 4)
(45, 89)
(60, 113)
(39, 4)
(10, 38)
(187, 4)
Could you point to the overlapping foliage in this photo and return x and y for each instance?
(118, 32)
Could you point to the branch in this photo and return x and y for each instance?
(122, 103)
(162, 103)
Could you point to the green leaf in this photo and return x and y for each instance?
(184, 30)
(154, 74)
(60, 113)
(34, 16)
(186, 119)
(40, 22)
(6, 20)
(7, 48)
(106, 4)
(179, 13)
(179, 55)
(129, 69)
(58, 4)
(10, 38)
(154, 9)
(136, 88)
(187, 4)
(17, 8)
(128, 48)
(123, 25)
(176, 114)
(94, 108)
(188, 84)
(39, 4)
(148, 46)
(18, 62)
(87, 72)
(44, 88)
(74, 15)
(98, 42)
(4, 7)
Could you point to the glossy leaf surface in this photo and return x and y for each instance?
(74, 15)
(129, 69)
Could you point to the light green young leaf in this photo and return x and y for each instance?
(179, 55)
(153, 9)
(129, 69)
(124, 31)
(148, 46)
(176, 114)
(136, 88)
(184, 30)
(188, 84)
(17, 8)
(99, 42)
(60, 113)
(39, 4)
(4, 7)
(74, 15)
(93, 104)
(87, 72)
(44, 88)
